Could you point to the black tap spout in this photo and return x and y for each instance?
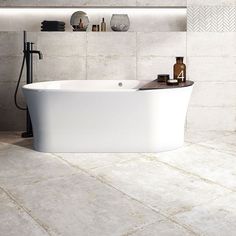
(37, 52)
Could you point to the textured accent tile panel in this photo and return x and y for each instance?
(211, 19)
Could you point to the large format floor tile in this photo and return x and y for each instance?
(203, 136)
(205, 162)
(163, 228)
(119, 194)
(224, 144)
(88, 161)
(164, 188)
(215, 218)
(14, 221)
(20, 165)
(82, 205)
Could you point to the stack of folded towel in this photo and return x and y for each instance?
(53, 26)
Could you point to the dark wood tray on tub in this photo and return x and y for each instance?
(162, 85)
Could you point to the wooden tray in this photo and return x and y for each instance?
(162, 85)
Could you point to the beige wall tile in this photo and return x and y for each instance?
(113, 67)
(165, 44)
(62, 44)
(61, 68)
(211, 118)
(214, 94)
(149, 67)
(215, 69)
(206, 44)
(111, 44)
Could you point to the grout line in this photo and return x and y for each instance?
(212, 139)
(190, 173)
(86, 56)
(231, 153)
(138, 228)
(136, 54)
(187, 64)
(37, 221)
(127, 195)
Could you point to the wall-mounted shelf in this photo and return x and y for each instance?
(143, 19)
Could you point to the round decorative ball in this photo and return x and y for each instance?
(79, 21)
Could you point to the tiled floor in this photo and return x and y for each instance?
(190, 191)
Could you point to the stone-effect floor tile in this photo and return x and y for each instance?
(155, 184)
(223, 144)
(15, 138)
(163, 228)
(215, 218)
(88, 161)
(82, 205)
(203, 136)
(14, 221)
(205, 162)
(23, 166)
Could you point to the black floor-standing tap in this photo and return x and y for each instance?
(28, 58)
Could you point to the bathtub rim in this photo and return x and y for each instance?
(30, 87)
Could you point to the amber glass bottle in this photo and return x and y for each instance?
(180, 70)
(103, 25)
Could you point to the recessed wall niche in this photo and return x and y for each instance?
(142, 19)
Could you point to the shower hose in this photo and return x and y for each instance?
(17, 87)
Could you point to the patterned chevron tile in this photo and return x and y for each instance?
(211, 19)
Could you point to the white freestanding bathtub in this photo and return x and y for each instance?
(106, 116)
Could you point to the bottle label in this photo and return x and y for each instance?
(181, 76)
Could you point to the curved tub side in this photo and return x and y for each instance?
(168, 110)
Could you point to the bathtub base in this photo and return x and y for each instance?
(58, 147)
